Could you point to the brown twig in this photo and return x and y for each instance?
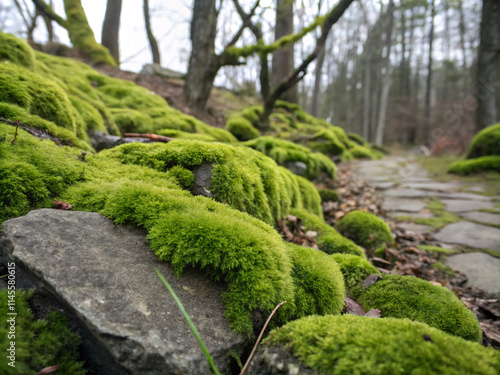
(48, 370)
(247, 363)
(154, 137)
(15, 135)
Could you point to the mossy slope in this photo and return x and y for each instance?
(351, 344)
(419, 300)
(354, 268)
(68, 98)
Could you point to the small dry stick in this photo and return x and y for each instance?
(258, 339)
(15, 135)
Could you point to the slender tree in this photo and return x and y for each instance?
(111, 28)
(283, 58)
(428, 85)
(153, 44)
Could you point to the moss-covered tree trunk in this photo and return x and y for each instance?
(79, 31)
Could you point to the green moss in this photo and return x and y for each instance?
(132, 121)
(365, 229)
(480, 164)
(351, 344)
(172, 133)
(39, 343)
(358, 139)
(442, 218)
(183, 176)
(329, 240)
(354, 268)
(419, 300)
(442, 267)
(242, 178)
(16, 50)
(485, 143)
(241, 128)
(33, 172)
(282, 152)
(328, 195)
(318, 282)
(436, 249)
(363, 152)
(404, 218)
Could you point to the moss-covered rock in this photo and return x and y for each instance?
(282, 152)
(480, 164)
(243, 178)
(354, 268)
(350, 344)
(329, 240)
(328, 195)
(38, 343)
(486, 142)
(365, 229)
(319, 286)
(241, 128)
(419, 300)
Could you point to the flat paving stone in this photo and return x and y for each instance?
(403, 205)
(477, 189)
(468, 196)
(482, 270)
(434, 186)
(460, 205)
(418, 215)
(416, 228)
(408, 193)
(483, 217)
(384, 185)
(471, 234)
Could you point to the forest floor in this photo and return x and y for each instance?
(447, 229)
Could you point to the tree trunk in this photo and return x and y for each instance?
(462, 46)
(315, 102)
(283, 58)
(199, 79)
(487, 68)
(151, 38)
(428, 87)
(111, 28)
(79, 31)
(379, 134)
(366, 96)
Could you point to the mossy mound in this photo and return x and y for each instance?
(318, 282)
(242, 124)
(480, 164)
(290, 122)
(328, 195)
(354, 268)
(242, 178)
(33, 172)
(419, 300)
(329, 240)
(350, 344)
(68, 98)
(483, 154)
(486, 142)
(365, 229)
(38, 343)
(283, 152)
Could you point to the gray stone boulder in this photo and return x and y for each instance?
(103, 276)
(297, 167)
(101, 140)
(202, 180)
(158, 70)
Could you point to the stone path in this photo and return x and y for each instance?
(418, 203)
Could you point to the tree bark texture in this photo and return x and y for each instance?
(428, 87)
(315, 108)
(151, 38)
(111, 28)
(488, 62)
(283, 58)
(200, 77)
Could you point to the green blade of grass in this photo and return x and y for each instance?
(193, 328)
